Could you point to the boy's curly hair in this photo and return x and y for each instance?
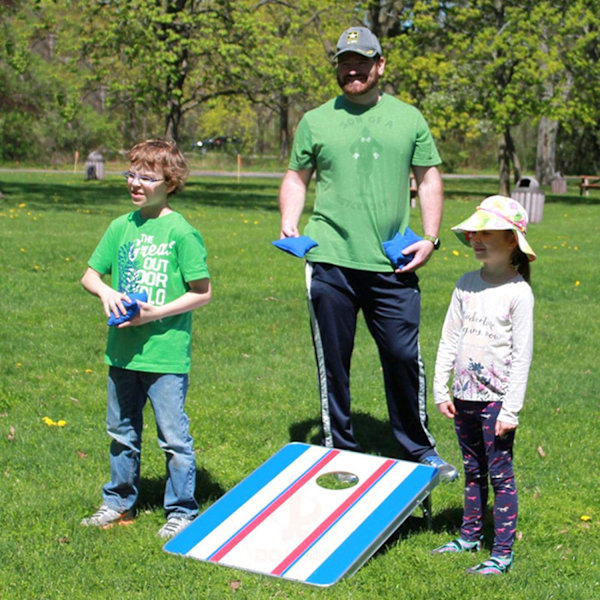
(164, 154)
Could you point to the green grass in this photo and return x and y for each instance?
(253, 389)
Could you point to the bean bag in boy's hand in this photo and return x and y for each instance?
(298, 246)
(393, 248)
(133, 308)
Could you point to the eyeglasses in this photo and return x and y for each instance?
(141, 178)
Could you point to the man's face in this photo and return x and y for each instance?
(357, 74)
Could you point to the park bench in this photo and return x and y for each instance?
(587, 183)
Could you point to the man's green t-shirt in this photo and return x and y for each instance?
(158, 256)
(362, 157)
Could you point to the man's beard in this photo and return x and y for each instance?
(365, 86)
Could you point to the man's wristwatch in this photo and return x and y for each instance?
(434, 240)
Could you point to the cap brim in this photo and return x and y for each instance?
(366, 53)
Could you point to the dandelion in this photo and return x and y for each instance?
(585, 518)
(19, 365)
(22, 205)
(577, 283)
(23, 250)
(36, 267)
(456, 252)
(51, 423)
(88, 371)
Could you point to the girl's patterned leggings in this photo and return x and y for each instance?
(485, 454)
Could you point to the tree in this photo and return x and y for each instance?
(572, 43)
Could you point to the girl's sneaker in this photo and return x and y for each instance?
(496, 565)
(458, 545)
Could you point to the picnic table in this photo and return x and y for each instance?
(588, 182)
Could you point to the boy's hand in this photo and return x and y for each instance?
(147, 313)
(447, 409)
(112, 301)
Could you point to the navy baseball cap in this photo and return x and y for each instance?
(360, 40)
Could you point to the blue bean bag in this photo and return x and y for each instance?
(393, 248)
(133, 308)
(298, 246)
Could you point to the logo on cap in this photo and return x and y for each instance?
(352, 37)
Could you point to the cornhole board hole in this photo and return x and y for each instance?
(309, 513)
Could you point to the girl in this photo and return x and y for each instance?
(487, 343)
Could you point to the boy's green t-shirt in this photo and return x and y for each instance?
(362, 157)
(158, 256)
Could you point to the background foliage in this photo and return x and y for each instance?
(82, 75)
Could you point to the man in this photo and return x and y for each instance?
(362, 146)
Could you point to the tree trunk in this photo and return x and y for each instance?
(284, 128)
(545, 166)
(503, 167)
(173, 120)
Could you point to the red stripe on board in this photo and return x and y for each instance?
(271, 508)
(308, 541)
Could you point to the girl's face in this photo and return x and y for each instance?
(493, 247)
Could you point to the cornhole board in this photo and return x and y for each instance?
(280, 521)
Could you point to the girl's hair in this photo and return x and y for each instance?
(164, 154)
(520, 261)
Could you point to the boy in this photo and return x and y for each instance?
(152, 250)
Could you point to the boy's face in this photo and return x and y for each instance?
(148, 190)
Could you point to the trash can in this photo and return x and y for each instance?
(559, 184)
(529, 194)
(94, 166)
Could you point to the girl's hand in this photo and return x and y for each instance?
(503, 428)
(447, 409)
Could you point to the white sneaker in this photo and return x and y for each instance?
(106, 517)
(175, 523)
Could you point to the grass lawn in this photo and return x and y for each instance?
(253, 390)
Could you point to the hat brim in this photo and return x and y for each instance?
(479, 221)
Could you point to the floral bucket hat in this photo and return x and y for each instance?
(497, 213)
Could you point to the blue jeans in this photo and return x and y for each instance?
(127, 395)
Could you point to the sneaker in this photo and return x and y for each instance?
(458, 545)
(106, 517)
(447, 471)
(496, 565)
(175, 523)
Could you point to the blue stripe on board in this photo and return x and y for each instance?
(236, 497)
(347, 554)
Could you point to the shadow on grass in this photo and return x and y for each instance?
(152, 491)
(248, 194)
(374, 436)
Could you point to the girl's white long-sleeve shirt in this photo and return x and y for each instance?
(487, 343)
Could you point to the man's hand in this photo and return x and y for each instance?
(422, 251)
